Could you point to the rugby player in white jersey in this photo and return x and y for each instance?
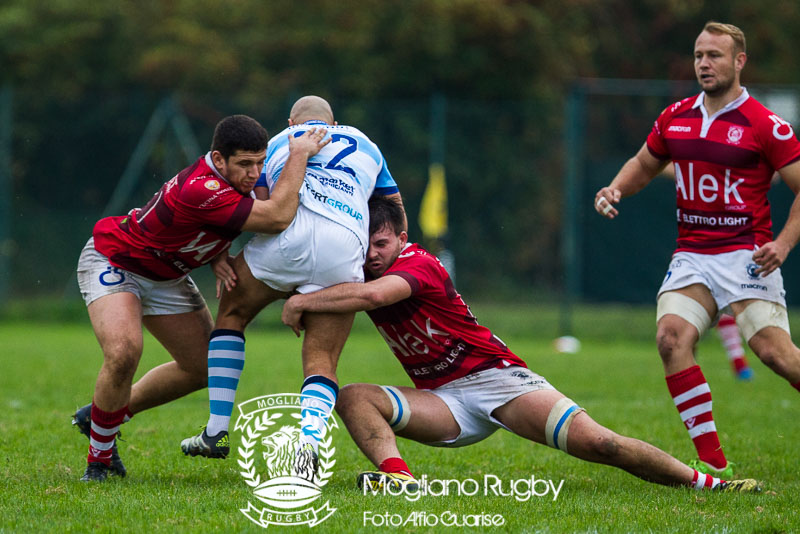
(325, 245)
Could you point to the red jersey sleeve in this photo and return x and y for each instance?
(656, 143)
(420, 270)
(777, 140)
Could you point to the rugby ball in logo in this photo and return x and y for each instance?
(287, 492)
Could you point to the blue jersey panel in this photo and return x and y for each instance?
(339, 179)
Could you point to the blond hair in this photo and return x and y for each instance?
(720, 28)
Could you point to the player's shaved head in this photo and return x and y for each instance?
(311, 108)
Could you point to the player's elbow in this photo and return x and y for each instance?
(279, 225)
(269, 222)
(374, 298)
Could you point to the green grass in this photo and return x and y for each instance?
(48, 369)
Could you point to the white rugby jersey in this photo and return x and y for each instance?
(339, 179)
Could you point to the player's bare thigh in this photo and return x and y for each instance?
(527, 416)
(431, 420)
(185, 336)
(773, 345)
(240, 305)
(117, 322)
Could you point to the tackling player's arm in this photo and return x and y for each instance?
(274, 215)
(773, 254)
(631, 178)
(341, 298)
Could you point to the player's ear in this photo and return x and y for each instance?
(403, 237)
(218, 159)
(741, 59)
(290, 121)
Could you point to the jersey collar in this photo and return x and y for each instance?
(733, 104)
(315, 121)
(707, 120)
(211, 166)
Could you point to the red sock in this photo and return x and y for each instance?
(732, 341)
(796, 386)
(395, 465)
(692, 397)
(701, 481)
(105, 426)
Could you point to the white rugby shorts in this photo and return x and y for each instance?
(473, 398)
(312, 253)
(729, 276)
(97, 278)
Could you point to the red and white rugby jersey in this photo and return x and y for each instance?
(191, 219)
(433, 333)
(723, 167)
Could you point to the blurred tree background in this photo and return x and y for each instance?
(86, 77)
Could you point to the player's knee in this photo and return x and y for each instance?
(349, 398)
(773, 357)
(604, 448)
(122, 355)
(233, 317)
(198, 377)
(195, 368)
(121, 367)
(667, 340)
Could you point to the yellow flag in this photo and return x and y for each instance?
(433, 210)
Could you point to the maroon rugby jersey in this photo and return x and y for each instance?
(433, 333)
(723, 167)
(191, 219)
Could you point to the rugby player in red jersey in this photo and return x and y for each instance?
(133, 272)
(725, 147)
(468, 382)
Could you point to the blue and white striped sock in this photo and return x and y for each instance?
(317, 399)
(225, 364)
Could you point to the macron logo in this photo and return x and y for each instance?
(686, 129)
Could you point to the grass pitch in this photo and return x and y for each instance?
(48, 369)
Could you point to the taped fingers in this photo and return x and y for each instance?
(603, 205)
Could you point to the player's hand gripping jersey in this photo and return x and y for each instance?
(191, 219)
(433, 333)
(723, 167)
(339, 179)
